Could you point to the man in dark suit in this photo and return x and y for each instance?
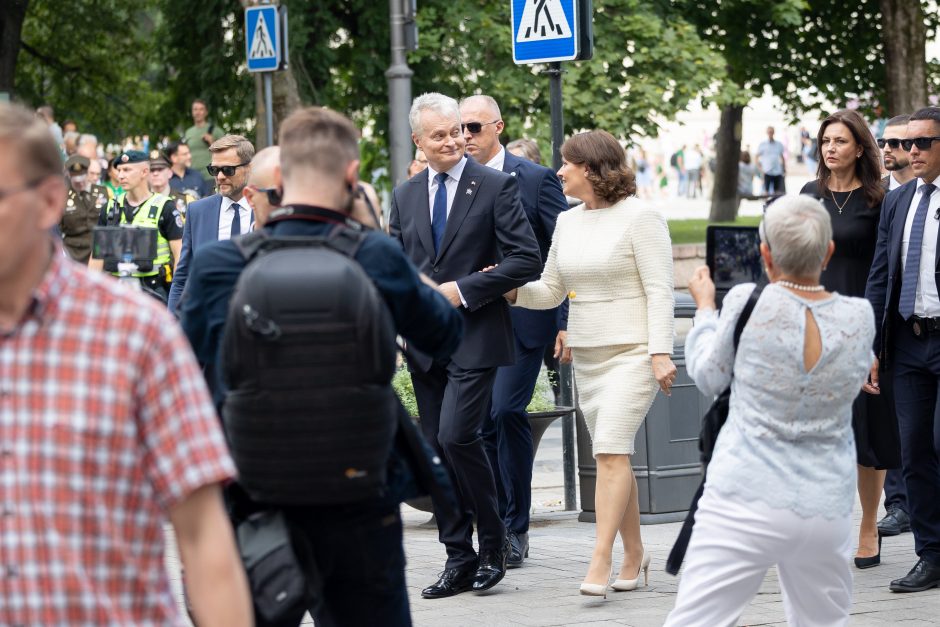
(898, 164)
(903, 288)
(220, 216)
(454, 219)
(507, 434)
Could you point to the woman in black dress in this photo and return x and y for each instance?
(848, 181)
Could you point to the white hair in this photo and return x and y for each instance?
(87, 138)
(438, 103)
(797, 230)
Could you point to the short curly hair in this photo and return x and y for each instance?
(610, 176)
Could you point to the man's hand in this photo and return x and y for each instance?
(562, 351)
(208, 139)
(449, 291)
(871, 386)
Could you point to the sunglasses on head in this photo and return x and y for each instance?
(922, 143)
(475, 127)
(227, 170)
(893, 143)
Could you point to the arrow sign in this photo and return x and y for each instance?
(263, 37)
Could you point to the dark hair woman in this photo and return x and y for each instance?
(612, 257)
(848, 181)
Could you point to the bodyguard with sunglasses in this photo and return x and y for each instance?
(222, 215)
(904, 291)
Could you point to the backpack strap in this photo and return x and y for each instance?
(746, 314)
(345, 240)
(250, 244)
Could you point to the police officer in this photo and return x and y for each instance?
(141, 207)
(86, 200)
(160, 174)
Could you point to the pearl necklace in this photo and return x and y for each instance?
(800, 287)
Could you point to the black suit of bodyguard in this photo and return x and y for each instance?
(485, 226)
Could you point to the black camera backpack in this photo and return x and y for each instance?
(308, 355)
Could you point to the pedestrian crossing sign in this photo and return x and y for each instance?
(263, 38)
(544, 31)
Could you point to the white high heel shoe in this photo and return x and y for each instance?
(597, 589)
(625, 585)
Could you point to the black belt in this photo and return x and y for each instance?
(922, 327)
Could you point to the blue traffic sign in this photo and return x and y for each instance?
(544, 31)
(263, 38)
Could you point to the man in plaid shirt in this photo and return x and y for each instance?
(106, 430)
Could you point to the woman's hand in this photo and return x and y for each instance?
(511, 296)
(562, 352)
(664, 371)
(702, 288)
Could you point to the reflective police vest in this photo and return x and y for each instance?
(148, 215)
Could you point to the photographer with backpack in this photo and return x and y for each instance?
(299, 319)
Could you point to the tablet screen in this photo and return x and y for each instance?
(733, 255)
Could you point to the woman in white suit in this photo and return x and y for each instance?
(612, 258)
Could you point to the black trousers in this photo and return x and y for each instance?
(453, 404)
(916, 387)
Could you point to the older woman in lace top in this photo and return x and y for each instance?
(780, 486)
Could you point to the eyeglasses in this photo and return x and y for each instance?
(273, 194)
(475, 127)
(22, 188)
(894, 143)
(922, 143)
(227, 170)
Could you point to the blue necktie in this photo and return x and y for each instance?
(439, 213)
(236, 220)
(915, 243)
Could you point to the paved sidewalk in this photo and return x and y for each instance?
(545, 591)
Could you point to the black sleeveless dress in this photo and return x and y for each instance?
(855, 231)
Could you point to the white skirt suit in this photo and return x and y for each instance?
(615, 266)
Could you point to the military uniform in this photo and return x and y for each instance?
(82, 210)
(180, 198)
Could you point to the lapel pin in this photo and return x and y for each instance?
(512, 174)
(469, 191)
(473, 182)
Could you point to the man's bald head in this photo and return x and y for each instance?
(264, 178)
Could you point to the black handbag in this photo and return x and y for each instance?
(279, 587)
(712, 422)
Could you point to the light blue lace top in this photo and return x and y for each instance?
(788, 441)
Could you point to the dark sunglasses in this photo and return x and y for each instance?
(227, 170)
(273, 194)
(893, 143)
(922, 143)
(475, 127)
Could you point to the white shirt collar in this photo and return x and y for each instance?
(228, 202)
(454, 173)
(498, 161)
(922, 182)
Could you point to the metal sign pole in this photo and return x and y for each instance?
(564, 377)
(268, 108)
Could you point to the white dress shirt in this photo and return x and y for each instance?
(498, 161)
(451, 183)
(893, 183)
(226, 213)
(927, 301)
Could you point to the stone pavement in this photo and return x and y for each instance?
(545, 591)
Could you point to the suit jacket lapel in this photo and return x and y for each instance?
(510, 163)
(467, 191)
(417, 197)
(213, 223)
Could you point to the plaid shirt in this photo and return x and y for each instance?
(105, 425)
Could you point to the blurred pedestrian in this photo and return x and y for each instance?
(183, 178)
(849, 185)
(644, 175)
(612, 258)
(694, 162)
(83, 206)
(746, 173)
(87, 146)
(677, 161)
(772, 165)
(48, 116)
(525, 148)
(200, 136)
(113, 183)
(802, 356)
(418, 164)
(99, 469)
(160, 182)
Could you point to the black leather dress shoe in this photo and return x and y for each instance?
(452, 581)
(518, 549)
(923, 576)
(492, 568)
(895, 522)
